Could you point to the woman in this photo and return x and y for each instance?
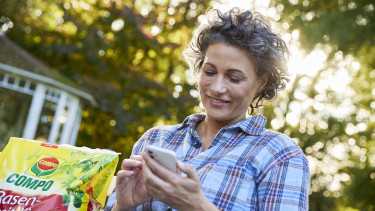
(226, 161)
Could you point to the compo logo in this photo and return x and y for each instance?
(45, 166)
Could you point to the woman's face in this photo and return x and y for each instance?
(228, 83)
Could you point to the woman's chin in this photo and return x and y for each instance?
(218, 116)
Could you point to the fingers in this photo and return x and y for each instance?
(156, 168)
(156, 176)
(154, 184)
(149, 161)
(153, 166)
(124, 173)
(130, 167)
(151, 178)
(136, 157)
(135, 161)
(188, 170)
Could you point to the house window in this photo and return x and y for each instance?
(45, 121)
(14, 107)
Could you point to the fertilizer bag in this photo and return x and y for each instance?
(37, 176)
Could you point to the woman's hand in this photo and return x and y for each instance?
(179, 192)
(130, 188)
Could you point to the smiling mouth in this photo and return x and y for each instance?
(218, 100)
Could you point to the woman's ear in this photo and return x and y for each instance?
(262, 82)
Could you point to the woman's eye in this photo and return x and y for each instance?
(208, 72)
(234, 79)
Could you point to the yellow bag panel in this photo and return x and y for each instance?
(40, 176)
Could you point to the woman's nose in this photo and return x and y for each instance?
(218, 86)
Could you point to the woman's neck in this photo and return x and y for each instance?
(208, 129)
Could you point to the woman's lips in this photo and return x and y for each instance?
(217, 102)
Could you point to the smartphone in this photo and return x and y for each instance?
(164, 157)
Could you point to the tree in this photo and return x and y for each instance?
(335, 124)
(127, 54)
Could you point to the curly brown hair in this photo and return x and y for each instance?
(252, 33)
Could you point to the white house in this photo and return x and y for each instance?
(36, 102)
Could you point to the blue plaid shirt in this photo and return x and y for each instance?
(246, 167)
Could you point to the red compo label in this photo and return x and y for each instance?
(49, 145)
(48, 163)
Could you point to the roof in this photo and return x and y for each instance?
(16, 60)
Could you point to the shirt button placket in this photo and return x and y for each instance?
(196, 143)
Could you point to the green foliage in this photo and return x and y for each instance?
(123, 52)
(336, 129)
(345, 24)
(128, 55)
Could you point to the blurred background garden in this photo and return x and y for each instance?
(127, 54)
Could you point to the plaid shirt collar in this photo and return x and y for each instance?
(253, 125)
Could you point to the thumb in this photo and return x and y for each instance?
(188, 170)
